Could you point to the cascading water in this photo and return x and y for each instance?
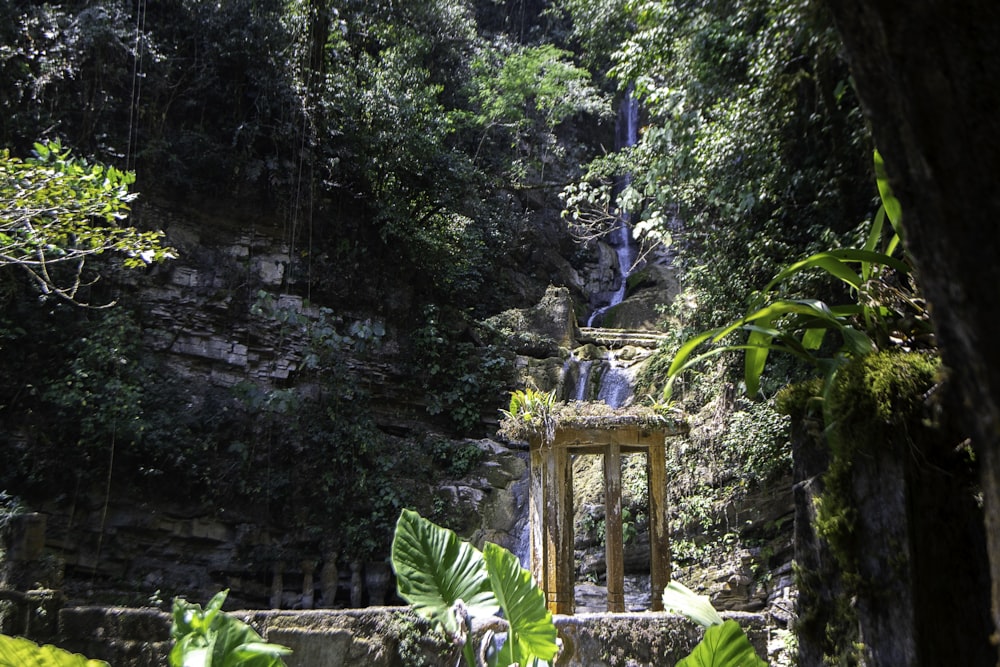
(616, 386)
(582, 380)
(620, 238)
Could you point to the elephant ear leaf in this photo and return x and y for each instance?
(680, 599)
(723, 646)
(532, 633)
(435, 569)
(20, 651)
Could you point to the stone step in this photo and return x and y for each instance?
(617, 338)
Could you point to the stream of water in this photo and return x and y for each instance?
(620, 238)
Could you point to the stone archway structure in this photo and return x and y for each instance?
(551, 503)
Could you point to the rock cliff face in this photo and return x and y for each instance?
(133, 542)
(140, 551)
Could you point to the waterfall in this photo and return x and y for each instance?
(582, 380)
(616, 385)
(620, 238)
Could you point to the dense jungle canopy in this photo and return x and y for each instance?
(431, 163)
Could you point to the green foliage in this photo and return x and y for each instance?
(530, 411)
(209, 637)
(527, 92)
(460, 379)
(751, 148)
(724, 644)
(448, 581)
(884, 305)
(597, 29)
(18, 652)
(10, 507)
(441, 576)
(756, 443)
(58, 210)
(456, 460)
(295, 434)
(103, 392)
(531, 634)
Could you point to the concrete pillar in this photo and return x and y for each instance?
(558, 530)
(329, 578)
(277, 584)
(308, 585)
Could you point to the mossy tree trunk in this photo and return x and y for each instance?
(928, 74)
(890, 546)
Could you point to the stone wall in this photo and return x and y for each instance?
(391, 637)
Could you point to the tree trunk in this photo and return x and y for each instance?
(928, 74)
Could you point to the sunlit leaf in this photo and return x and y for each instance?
(435, 569)
(893, 209)
(680, 599)
(531, 633)
(20, 652)
(724, 645)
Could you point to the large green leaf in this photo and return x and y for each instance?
(755, 357)
(860, 255)
(20, 652)
(211, 638)
(435, 569)
(680, 599)
(532, 633)
(723, 646)
(857, 341)
(680, 359)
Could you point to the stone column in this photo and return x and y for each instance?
(357, 584)
(308, 586)
(277, 584)
(378, 576)
(329, 578)
(560, 557)
(551, 498)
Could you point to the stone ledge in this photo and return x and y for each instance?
(391, 637)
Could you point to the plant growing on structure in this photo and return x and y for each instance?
(886, 310)
(17, 651)
(724, 644)
(448, 581)
(211, 638)
(530, 411)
